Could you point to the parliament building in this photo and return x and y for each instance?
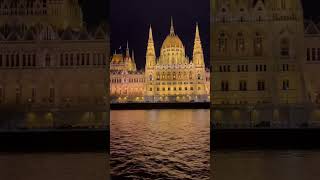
(49, 60)
(264, 58)
(171, 77)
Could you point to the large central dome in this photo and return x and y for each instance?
(172, 40)
(172, 50)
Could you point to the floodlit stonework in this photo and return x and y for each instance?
(171, 77)
(257, 52)
(264, 64)
(49, 61)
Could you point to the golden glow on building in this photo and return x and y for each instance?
(171, 77)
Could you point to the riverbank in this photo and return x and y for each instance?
(80, 140)
(231, 139)
(149, 106)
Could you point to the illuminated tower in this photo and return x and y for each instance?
(198, 61)
(150, 66)
(198, 58)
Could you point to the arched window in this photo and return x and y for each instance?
(47, 60)
(240, 43)
(51, 94)
(283, 4)
(168, 75)
(199, 76)
(285, 47)
(222, 43)
(258, 45)
(190, 75)
(18, 94)
(17, 60)
(150, 77)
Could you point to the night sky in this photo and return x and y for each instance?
(130, 20)
(95, 12)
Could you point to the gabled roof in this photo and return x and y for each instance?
(84, 35)
(67, 34)
(2, 38)
(14, 36)
(311, 28)
(100, 33)
(30, 34)
(259, 5)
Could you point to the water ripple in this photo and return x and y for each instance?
(166, 144)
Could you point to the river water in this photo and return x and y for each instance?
(266, 165)
(160, 144)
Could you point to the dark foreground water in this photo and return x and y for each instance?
(266, 165)
(54, 166)
(160, 144)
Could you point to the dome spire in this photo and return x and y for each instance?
(127, 50)
(150, 33)
(172, 27)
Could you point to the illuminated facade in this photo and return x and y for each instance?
(257, 52)
(312, 60)
(171, 77)
(126, 83)
(48, 60)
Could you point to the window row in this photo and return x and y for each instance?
(16, 60)
(261, 85)
(131, 80)
(175, 76)
(33, 95)
(241, 44)
(83, 59)
(174, 89)
(243, 68)
(313, 54)
(21, 12)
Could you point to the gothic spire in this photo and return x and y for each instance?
(132, 55)
(197, 49)
(150, 34)
(151, 53)
(150, 48)
(127, 50)
(172, 27)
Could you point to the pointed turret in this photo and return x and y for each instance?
(132, 56)
(172, 28)
(151, 54)
(127, 50)
(198, 57)
(133, 61)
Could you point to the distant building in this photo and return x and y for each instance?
(264, 68)
(48, 59)
(312, 60)
(126, 83)
(171, 77)
(257, 52)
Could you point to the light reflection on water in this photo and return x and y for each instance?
(266, 165)
(160, 144)
(54, 166)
